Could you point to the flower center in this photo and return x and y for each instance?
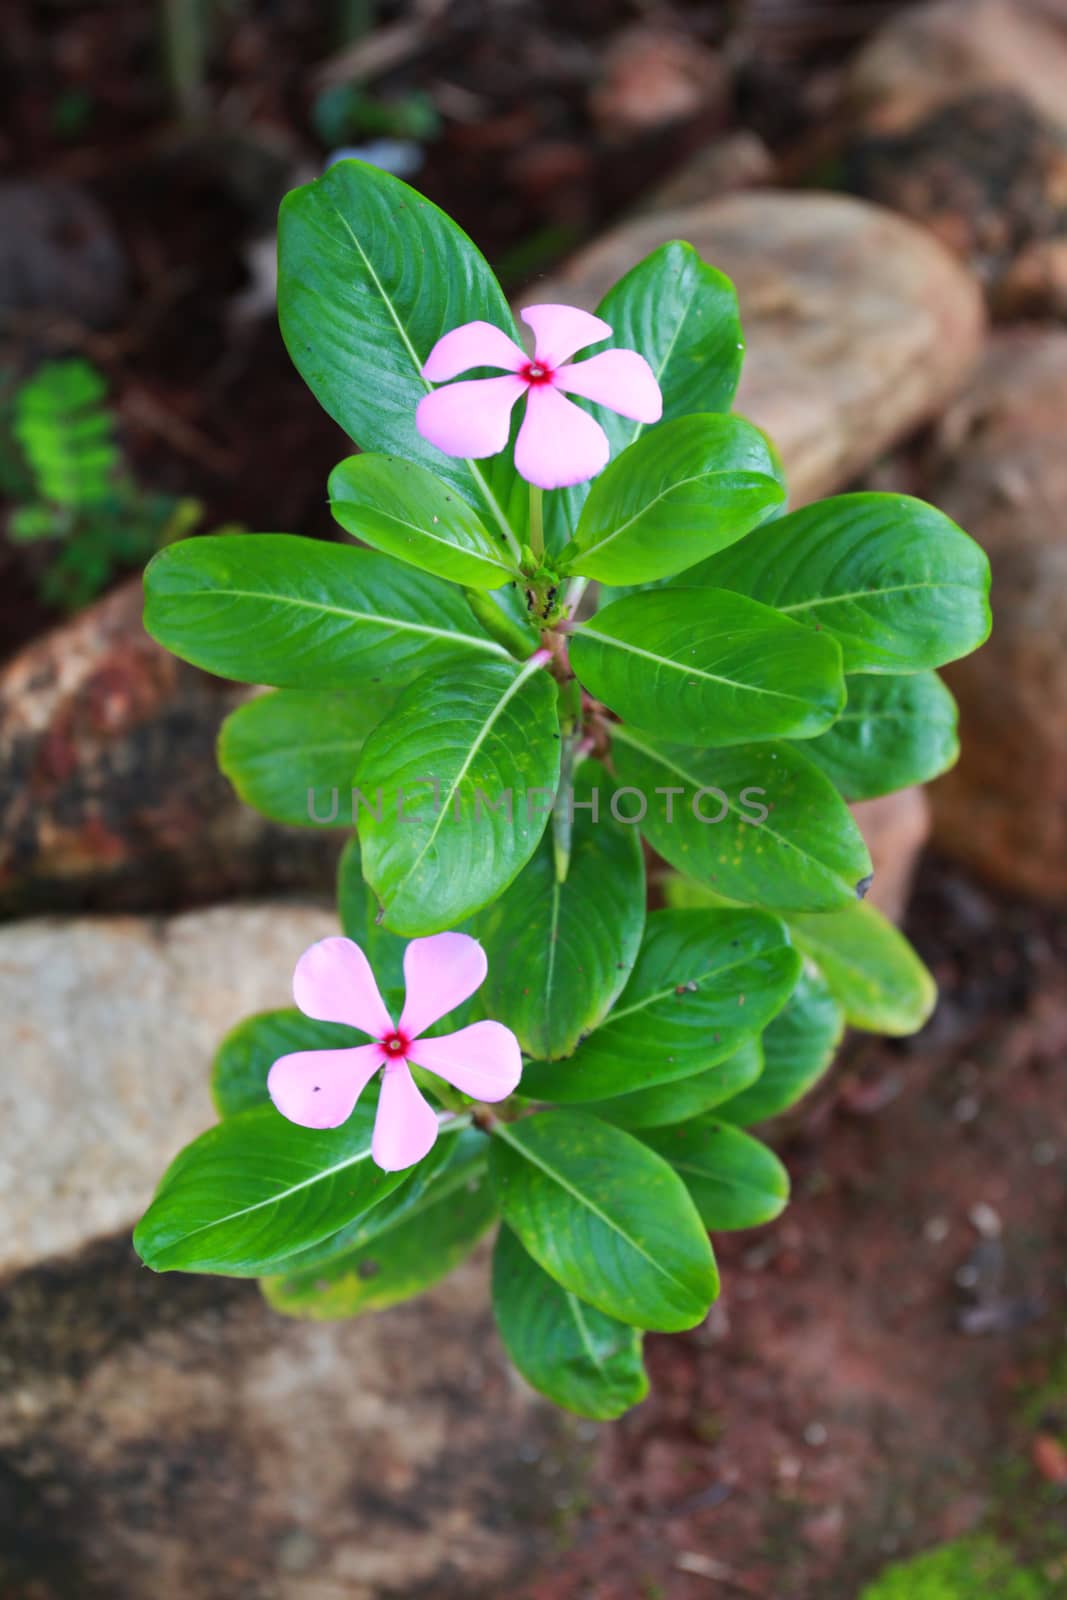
(394, 1046)
(535, 372)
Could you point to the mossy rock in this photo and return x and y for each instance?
(970, 1569)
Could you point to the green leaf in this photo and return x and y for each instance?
(894, 731)
(296, 613)
(709, 668)
(399, 1250)
(247, 1053)
(571, 1352)
(735, 1181)
(559, 953)
(786, 839)
(872, 970)
(487, 736)
(409, 513)
(893, 580)
(605, 1217)
(681, 315)
(798, 1047)
(678, 495)
(254, 1189)
(358, 911)
(370, 275)
(292, 754)
(686, 1097)
(703, 981)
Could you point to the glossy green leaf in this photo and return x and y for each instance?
(898, 584)
(605, 1217)
(559, 953)
(255, 1188)
(683, 1098)
(396, 1252)
(297, 613)
(735, 1181)
(703, 981)
(571, 1352)
(370, 275)
(292, 754)
(798, 1047)
(247, 1053)
(872, 970)
(894, 731)
(466, 765)
(384, 1214)
(358, 911)
(682, 492)
(709, 668)
(409, 513)
(681, 315)
(785, 840)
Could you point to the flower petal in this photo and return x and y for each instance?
(319, 1088)
(333, 982)
(406, 1126)
(469, 419)
(483, 1060)
(620, 379)
(558, 444)
(475, 344)
(561, 330)
(440, 972)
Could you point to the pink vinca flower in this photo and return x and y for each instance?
(558, 443)
(333, 982)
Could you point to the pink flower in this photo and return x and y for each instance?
(333, 982)
(558, 443)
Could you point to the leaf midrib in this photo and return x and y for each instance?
(522, 677)
(620, 732)
(489, 558)
(867, 594)
(583, 1200)
(693, 672)
(472, 467)
(490, 646)
(649, 505)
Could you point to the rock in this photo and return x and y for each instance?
(896, 827)
(1003, 809)
(739, 160)
(859, 325)
(169, 1437)
(1036, 283)
(651, 76)
(110, 1025)
(111, 797)
(986, 173)
(59, 255)
(930, 54)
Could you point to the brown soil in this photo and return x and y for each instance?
(861, 1389)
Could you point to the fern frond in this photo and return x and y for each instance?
(67, 434)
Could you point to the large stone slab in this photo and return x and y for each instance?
(107, 1030)
(859, 325)
(927, 55)
(110, 797)
(165, 1438)
(1003, 809)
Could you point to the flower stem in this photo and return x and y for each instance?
(537, 525)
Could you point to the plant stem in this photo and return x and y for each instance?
(572, 595)
(499, 625)
(537, 525)
(185, 54)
